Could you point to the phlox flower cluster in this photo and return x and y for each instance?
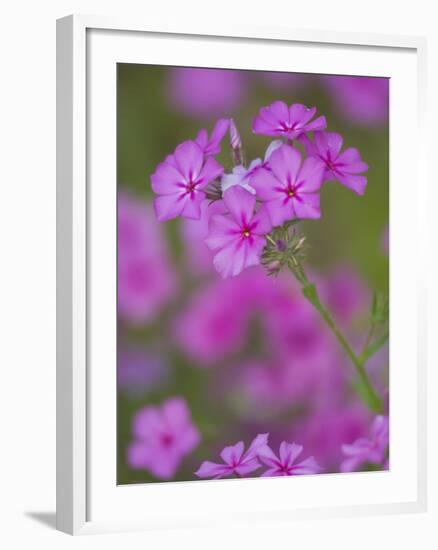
(258, 197)
(240, 463)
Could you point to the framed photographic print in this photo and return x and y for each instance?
(240, 303)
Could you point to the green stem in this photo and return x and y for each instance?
(373, 348)
(310, 292)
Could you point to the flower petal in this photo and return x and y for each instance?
(210, 171)
(355, 183)
(212, 469)
(258, 445)
(308, 466)
(265, 184)
(289, 453)
(285, 163)
(240, 203)
(307, 205)
(192, 206)
(311, 175)
(280, 211)
(232, 454)
(189, 158)
(223, 231)
(169, 206)
(301, 114)
(166, 180)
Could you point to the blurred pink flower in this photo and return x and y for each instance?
(180, 180)
(343, 167)
(238, 238)
(194, 232)
(360, 99)
(345, 293)
(372, 449)
(279, 120)
(285, 464)
(213, 324)
(146, 282)
(212, 145)
(163, 436)
(205, 93)
(284, 81)
(290, 189)
(236, 461)
(328, 425)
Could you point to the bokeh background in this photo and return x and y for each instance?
(247, 355)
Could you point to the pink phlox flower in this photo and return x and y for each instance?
(214, 323)
(285, 463)
(163, 436)
(212, 145)
(242, 176)
(236, 461)
(180, 180)
(238, 237)
(206, 93)
(372, 449)
(146, 281)
(362, 100)
(344, 167)
(290, 189)
(279, 120)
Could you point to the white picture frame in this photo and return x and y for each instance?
(87, 49)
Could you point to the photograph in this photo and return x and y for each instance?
(252, 274)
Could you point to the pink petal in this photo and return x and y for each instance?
(210, 171)
(328, 141)
(307, 206)
(168, 206)
(285, 163)
(189, 158)
(202, 139)
(147, 422)
(166, 180)
(319, 123)
(350, 465)
(247, 467)
(139, 455)
(230, 261)
(355, 183)
(268, 457)
(175, 411)
(311, 175)
(265, 184)
(349, 156)
(232, 454)
(300, 113)
(240, 203)
(261, 222)
(212, 469)
(280, 211)
(308, 466)
(258, 445)
(219, 130)
(289, 452)
(253, 250)
(272, 472)
(192, 206)
(223, 231)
